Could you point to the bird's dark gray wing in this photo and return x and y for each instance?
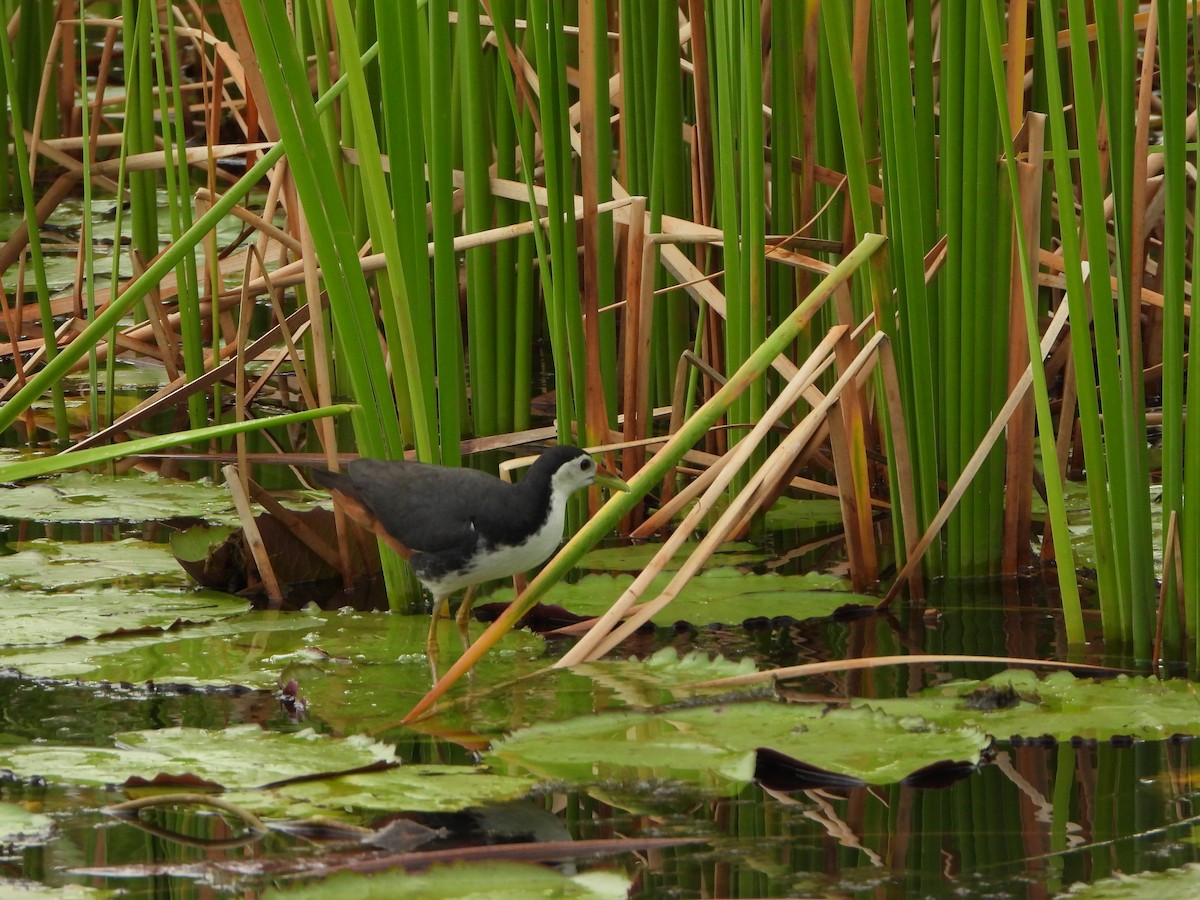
(429, 509)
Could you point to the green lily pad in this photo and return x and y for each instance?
(357, 672)
(53, 565)
(244, 759)
(609, 684)
(127, 376)
(467, 881)
(789, 512)
(661, 678)
(84, 497)
(1174, 884)
(718, 595)
(29, 890)
(716, 747)
(231, 651)
(636, 557)
(242, 756)
(1060, 705)
(20, 827)
(416, 788)
(38, 617)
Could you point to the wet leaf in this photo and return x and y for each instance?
(557, 694)
(1174, 884)
(355, 671)
(467, 881)
(241, 756)
(724, 596)
(20, 827)
(38, 617)
(54, 565)
(715, 747)
(789, 512)
(635, 557)
(408, 788)
(236, 651)
(28, 890)
(84, 497)
(1061, 706)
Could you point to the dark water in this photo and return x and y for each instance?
(1032, 820)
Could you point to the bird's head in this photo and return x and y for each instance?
(572, 469)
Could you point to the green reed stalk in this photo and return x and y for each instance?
(46, 465)
(1172, 42)
(1109, 570)
(559, 271)
(438, 143)
(907, 199)
(753, 212)
(504, 291)
(179, 207)
(8, 187)
(1055, 503)
(605, 245)
(25, 180)
(504, 18)
(51, 374)
(785, 144)
(402, 72)
(1190, 522)
(638, 25)
(87, 242)
(1128, 452)
(376, 426)
(725, 44)
(670, 186)
(483, 317)
(139, 130)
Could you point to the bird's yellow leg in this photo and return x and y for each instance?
(464, 609)
(432, 651)
(463, 618)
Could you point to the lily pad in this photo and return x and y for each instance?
(20, 827)
(716, 596)
(789, 512)
(1174, 884)
(1059, 705)
(29, 890)
(53, 565)
(357, 672)
(128, 375)
(416, 788)
(716, 747)
(242, 756)
(558, 694)
(84, 497)
(38, 617)
(232, 651)
(636, 557)
(249, 761)
(467, 881)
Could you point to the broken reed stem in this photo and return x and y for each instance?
(589, 645)
(975, 462)
(742, 505)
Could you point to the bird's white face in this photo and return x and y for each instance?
(573, 475)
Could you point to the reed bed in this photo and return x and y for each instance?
(671, 213)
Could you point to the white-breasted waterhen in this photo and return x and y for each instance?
(461, 527)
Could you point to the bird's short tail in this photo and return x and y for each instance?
(333, 481)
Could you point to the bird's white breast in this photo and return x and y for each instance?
(501, 560)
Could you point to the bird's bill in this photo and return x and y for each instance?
(607, 479)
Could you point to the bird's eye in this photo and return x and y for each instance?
(585, 464)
